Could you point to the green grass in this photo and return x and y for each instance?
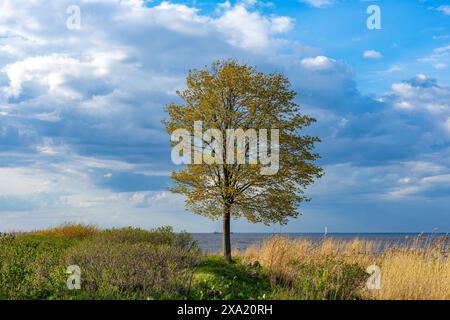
(326, 280)
(216, 279)
(132, 263)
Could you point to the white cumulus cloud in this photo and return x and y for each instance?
(318, 63)
(372, 54)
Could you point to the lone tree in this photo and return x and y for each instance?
(227, 96)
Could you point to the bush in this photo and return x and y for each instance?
(159, 236)
(28, 265)
(131, 265)
(118, 264)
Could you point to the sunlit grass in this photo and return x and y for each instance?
(416, 269)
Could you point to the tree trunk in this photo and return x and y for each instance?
(226, 234)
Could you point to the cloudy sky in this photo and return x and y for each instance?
(80, 108)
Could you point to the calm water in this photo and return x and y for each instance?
(210, 242)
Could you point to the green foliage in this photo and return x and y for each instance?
(232, 96)
(29, 265)
(159, 236)
(324, 280)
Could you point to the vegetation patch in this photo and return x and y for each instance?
(132, 263)
(217, 279)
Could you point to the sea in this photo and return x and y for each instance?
(212, 242)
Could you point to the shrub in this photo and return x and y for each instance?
(119, 263)
(128, 268)
(159, 236)
(28, 264)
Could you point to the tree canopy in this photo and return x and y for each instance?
(228, 95)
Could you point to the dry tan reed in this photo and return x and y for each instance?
(67, 230)
(418, 270)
